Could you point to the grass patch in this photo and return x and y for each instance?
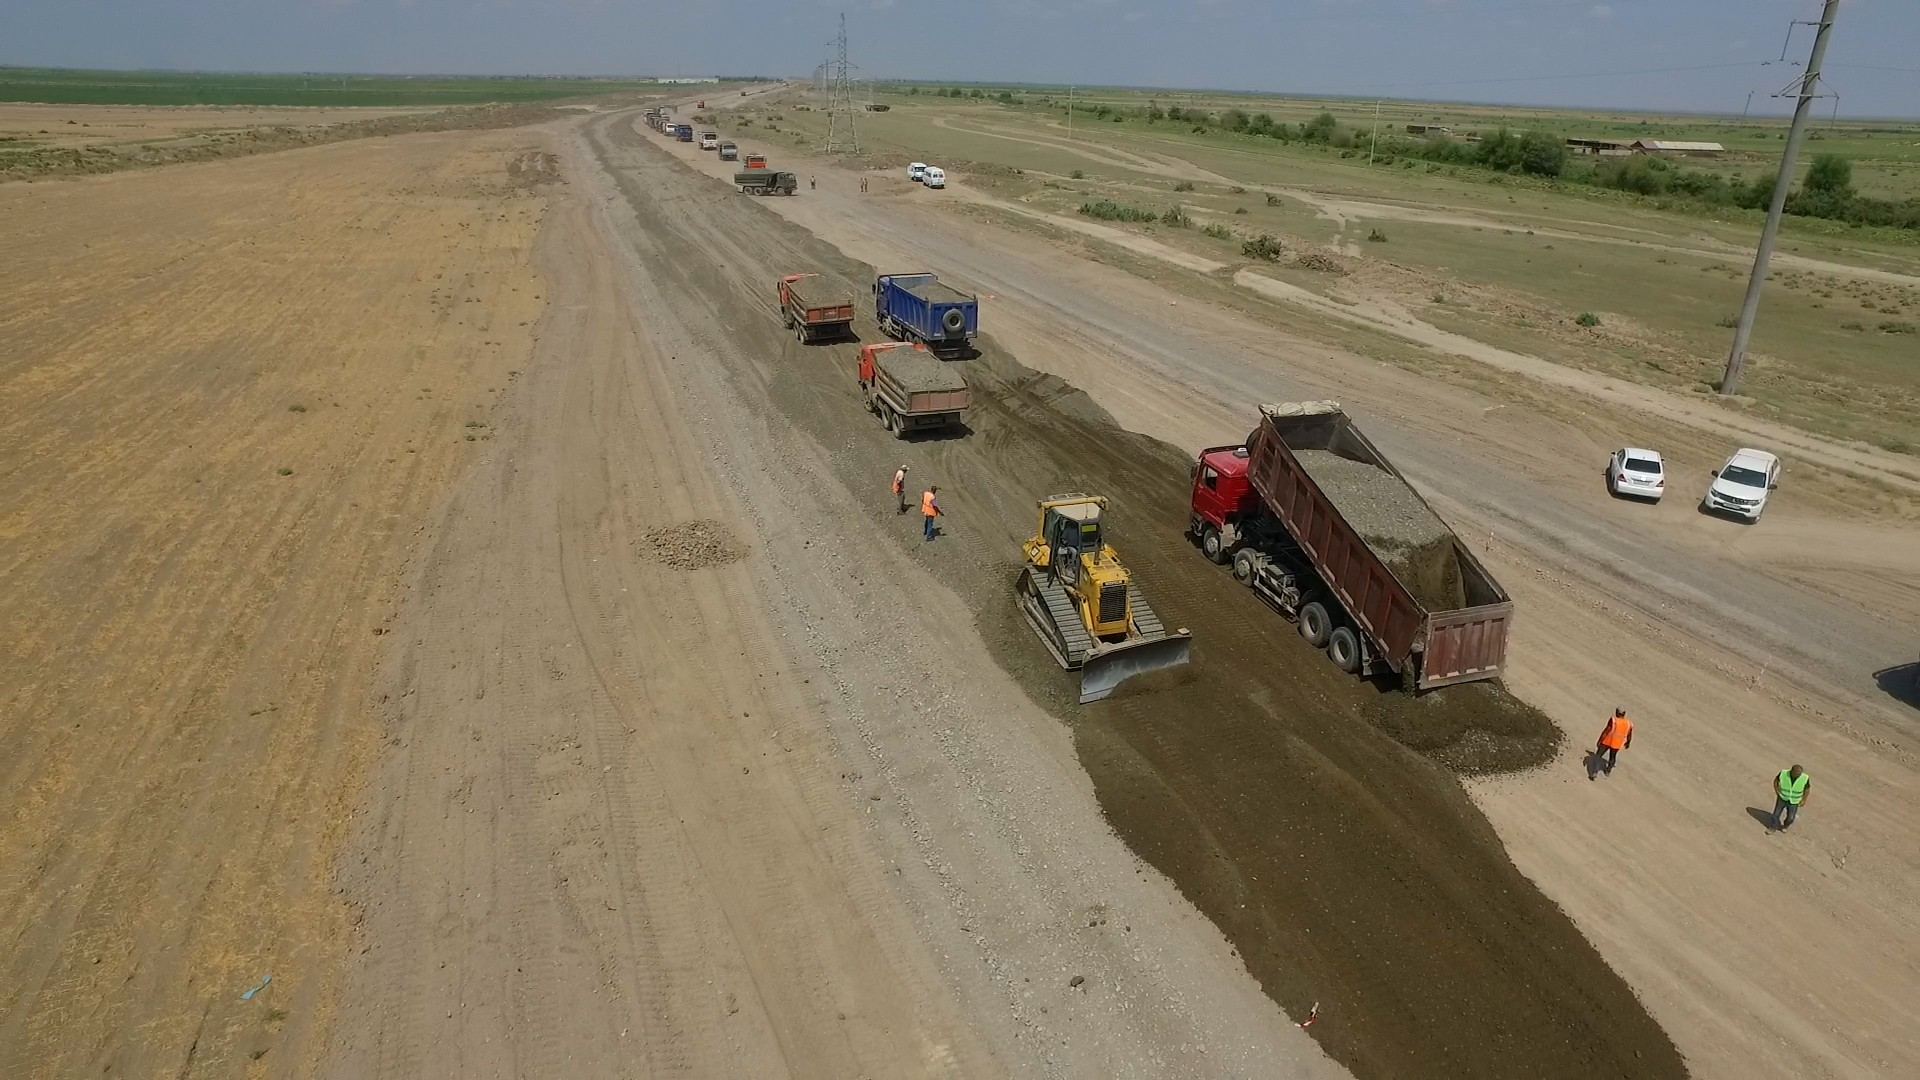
(284, 471)
(1587, 318)
(64, 86)
(296, 407)
(1108, 210)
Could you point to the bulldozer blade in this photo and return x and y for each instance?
(1112, 665)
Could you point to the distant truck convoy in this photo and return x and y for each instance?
(729, 152)
(766, 182)
(917, 307)
(1322, 527)
(910, 389)
(812, 309)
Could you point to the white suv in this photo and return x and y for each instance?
(917, 171)
(1740, 486)
(1633, 471)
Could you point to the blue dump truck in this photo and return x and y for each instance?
(683, 132)
(917, 307)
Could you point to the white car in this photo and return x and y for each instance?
(709, 140)
(1740, 486)
(1637, 472)
(917, 171)
(935, 177)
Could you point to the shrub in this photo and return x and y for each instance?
(1218, 231)
(1851, 326)
(1239, 209)
(1728, 321)
(1176, 217)
(1272, 199)
(1896, 328)
(1184, 185)
(1376, 237)
(1829, 174)
(1262, 247)
(1078, 174)
(1237, 190)
(1588, 318)
(1108, 210)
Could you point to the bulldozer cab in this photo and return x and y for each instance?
(1070, 531)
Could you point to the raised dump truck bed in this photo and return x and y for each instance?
(1318, 522)
(910, 388)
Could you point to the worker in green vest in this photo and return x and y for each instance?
(1789, 795)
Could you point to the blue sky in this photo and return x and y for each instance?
(1649, 54)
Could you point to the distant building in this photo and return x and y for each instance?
(1673, 148)
(677, 79)
(1601, 147)
(1429, 129)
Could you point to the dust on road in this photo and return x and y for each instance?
(1347, 869)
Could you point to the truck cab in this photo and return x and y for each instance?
(1222, 495)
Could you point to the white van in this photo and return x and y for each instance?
(917, 171)
(935, 177)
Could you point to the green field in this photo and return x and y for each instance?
(1506, 260)
(62, 86)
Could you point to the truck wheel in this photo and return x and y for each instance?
(1315, 625)
(898, 423)
(800, 333)
(954, 320)
(1343, 648)
(1214, 546)
(1245, 566)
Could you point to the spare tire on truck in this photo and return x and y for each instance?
(955, 322)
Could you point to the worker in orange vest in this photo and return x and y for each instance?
(930, 510)
(1615, 737)
(900, 487)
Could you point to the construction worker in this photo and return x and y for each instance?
(1789, 795)
(900, 488)
(1615, 737)
(930, 510)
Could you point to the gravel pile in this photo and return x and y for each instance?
(694, 545)
(1417, 545)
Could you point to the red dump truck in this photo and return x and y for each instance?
(910, 388)
(812, 310)
(1320, 525)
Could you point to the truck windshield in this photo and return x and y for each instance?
(1740, 474)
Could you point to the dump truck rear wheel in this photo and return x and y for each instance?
(953, 320)
(1245, 566)
(1343, 648)
(1315, 625)
(1215, 547)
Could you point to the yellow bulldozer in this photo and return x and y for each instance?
(1084, 604)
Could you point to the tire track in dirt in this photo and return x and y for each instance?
(1367, 878)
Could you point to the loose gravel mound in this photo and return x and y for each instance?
(1417, 546)
(694, 545)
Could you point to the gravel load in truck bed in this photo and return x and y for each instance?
(920, 372)
(1417, 545)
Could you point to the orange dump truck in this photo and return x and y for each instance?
(910, 388)
(812, 310)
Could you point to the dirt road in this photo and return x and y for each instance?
(1743, 645)
(683, 779)
(1189, 774)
